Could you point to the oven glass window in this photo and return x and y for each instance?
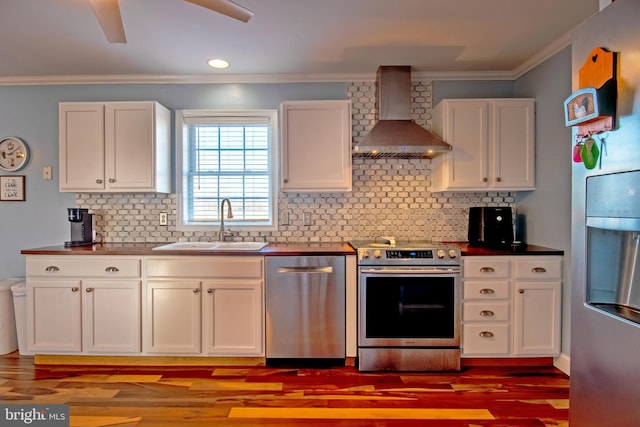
(410, 307)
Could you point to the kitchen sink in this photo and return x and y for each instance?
(212, 246)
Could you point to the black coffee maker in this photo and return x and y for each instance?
(81, 227)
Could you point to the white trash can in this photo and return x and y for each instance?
(19, 291)
(8, 335)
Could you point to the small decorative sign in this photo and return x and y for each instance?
(12, 188)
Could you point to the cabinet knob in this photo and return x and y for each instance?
(485, 179)
(89, 290)
(209, 291)
(487, 270)
(285, 180)
(538, 270)
(521, 291)
(75, 289)
(111, 269)
(52, 268)
(487, 313)
(498, 179)
(98, 181)
(487, 291)
(196, 290)
(111, 180)
(486, 334)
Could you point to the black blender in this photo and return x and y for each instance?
(81, 227)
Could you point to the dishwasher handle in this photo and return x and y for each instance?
(304, 270)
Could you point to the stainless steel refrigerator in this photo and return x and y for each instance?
(605, 328)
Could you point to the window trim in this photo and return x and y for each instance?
(182, 117)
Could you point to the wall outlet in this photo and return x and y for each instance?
(306, 218)
(163, 218)
(284, 218)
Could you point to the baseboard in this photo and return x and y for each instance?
(52, 359)
(563, 362)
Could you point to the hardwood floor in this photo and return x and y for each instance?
(128, 396)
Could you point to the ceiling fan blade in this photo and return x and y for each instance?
(225, 7)
(108, 14)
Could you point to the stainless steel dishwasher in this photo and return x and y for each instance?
(305, 308)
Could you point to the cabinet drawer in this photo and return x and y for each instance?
(486, 312)
(206, 267)
(533, 268)
(79, 266)
(485, 268)
(485, 290)
(486, 339)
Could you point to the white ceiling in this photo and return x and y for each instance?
(171, 40)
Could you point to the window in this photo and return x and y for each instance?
(226, 154)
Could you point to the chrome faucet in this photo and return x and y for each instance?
(222, 233)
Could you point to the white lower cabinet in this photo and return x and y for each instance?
(511, 306)
(210, 306)
(80, 304)
(172, 317)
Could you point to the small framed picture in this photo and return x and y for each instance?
(12, 188)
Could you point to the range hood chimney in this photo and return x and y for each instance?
(395, 134)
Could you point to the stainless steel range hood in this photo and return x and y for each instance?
(395, 134)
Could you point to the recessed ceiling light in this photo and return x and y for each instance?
(218, 63)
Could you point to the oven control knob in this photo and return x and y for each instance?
(440, 253)
(377, 253)
(452, 253)
(365, 254)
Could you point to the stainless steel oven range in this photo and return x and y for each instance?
(409, 299)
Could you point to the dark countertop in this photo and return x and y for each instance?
(145, 249)
(273, 249)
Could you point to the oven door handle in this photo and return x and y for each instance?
(422, 270)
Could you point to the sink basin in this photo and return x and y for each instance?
(212, 246)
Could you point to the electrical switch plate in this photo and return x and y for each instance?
(46, 173)
(163, 218)
(306, 218)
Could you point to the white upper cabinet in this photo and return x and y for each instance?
(115, 147)
(493, 145)
(316, 146)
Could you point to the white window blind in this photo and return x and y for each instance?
(227, 156)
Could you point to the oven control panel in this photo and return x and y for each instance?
(402, 254)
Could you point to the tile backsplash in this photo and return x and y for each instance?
(389, 197)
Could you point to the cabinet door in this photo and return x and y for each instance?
(81, 146)
(512, 136)
(54, 322)
(111, 316)
(129, 145)
(316, 146)
(466, 128)
(232, 318)
(537, 318)
(173, 317)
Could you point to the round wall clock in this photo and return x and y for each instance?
(14, 154)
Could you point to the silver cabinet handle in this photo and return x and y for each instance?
(98, 181)
(487, 270)
(486, 334)
(487, 313)
(538, 270)
(209, 291)
(111, 269)
(487, 291)
(196, 290)
(75, 289)
(52, 268)
(89, 290)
